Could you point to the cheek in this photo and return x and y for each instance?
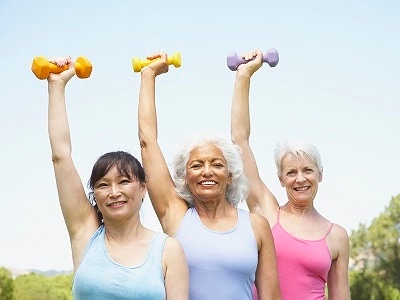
(99, 195)
(189, 178)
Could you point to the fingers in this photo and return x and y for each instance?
(160, 64)
(161, 55)
(254, 60)
(251, 54)
(61, 61)
(64, 76)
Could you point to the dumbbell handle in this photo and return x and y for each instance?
(42, 67)
(138, 64)
(233, 60)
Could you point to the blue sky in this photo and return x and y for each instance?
(337, 85)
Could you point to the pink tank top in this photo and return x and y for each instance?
(303, 265)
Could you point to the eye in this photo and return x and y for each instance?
(101, 185)
(195, 166)
(291, 173)
(124, 181)
(308, 171)
(218, 165)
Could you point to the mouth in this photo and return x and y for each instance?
(117, 204)
(208, 183)
(301, 189)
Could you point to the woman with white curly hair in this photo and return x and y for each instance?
(227, 248)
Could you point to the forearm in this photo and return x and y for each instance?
(147, 115)
(240, 112)
(58, 126)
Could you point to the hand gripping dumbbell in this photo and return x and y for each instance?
(138, 64)
(42, 67)
(233, 60)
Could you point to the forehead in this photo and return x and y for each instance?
(113, 172)
(209, 152)
(296, 161)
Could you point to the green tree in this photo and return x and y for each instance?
(364, 285)
(41, 287)
(375, 254)
(6, 284)
(384, 235)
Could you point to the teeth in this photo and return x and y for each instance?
(208, 182)
(304, 188)
(117, 203)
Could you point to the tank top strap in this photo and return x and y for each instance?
(329, 230)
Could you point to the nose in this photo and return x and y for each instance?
(114, 191)
(207, 169)
(300, 177)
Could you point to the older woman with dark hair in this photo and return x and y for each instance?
(227, 249)
(311, 251)
(114, 255)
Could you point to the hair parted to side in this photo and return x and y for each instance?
(127, 165)
(297, 147)
(236, 192)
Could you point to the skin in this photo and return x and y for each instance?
(300, 177)
(119, 199)
(206, 175)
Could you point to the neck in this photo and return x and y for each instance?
(124, 229)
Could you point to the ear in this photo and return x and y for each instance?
(320, 177)
(230, 178)
(144, 190)
(281, 181)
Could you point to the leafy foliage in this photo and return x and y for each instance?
(375, 253)
(6, 284)
(41, 287)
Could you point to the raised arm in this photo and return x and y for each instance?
(260, 200)
(78, 213)
(169, 207)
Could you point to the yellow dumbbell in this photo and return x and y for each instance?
(42, 67)
(138, 64)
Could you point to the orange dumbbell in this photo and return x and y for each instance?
(138, 64)
(42, 67)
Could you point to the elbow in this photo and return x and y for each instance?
(142, 139)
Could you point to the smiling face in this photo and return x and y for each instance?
(207, 173)
(117, 195)
(300, 177)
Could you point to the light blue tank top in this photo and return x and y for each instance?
(99, 277)
(222, 265)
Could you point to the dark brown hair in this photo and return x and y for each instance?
(127, 165)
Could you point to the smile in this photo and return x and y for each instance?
(303, 188)
(117, 204)
(208, 182)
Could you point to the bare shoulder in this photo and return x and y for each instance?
(173, 251)
(339, 233)
(172, 243)
(338, 242)
(261, 229)
(259, 224)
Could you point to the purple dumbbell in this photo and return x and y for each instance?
(271, 57)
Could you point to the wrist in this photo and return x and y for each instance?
(243, 74)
